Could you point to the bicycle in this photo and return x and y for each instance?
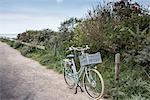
(92, 80)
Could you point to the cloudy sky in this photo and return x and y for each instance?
(17, 16)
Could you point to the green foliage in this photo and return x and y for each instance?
(120, 26)
(137, 46)
(16, 44)
(26, 49)
(47, 59)
(131, 83)
(144, 56)
(9, 42)
(67, 28)
(137, 97)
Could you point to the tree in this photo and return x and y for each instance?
(67, 28)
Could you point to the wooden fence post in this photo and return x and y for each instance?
(117, 66)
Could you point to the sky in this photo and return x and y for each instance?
(17, 16)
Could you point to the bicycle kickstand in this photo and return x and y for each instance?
(77, 89)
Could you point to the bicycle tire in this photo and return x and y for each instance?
(89, 89)
(67, 75)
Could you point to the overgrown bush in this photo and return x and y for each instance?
(137, 97)
(16, 44)
(46, 59)
(26, 49)
(144, 57)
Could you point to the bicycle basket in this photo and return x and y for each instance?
(89, 59)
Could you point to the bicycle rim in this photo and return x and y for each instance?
(93, 84)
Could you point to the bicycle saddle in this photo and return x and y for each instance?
(70, 56)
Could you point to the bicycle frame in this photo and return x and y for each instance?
(77, 74)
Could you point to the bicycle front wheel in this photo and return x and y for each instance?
(68, 75)
(93, 84)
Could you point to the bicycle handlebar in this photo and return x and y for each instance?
(79, 48)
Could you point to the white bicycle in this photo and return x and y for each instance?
(92, 80)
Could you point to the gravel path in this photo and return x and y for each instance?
(24, 79)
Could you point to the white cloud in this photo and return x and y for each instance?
(59, 1)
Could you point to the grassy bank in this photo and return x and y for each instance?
(133, 83)
(44, 57)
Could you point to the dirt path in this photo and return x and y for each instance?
(25, 79)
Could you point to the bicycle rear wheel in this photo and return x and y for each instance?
(68, 75)
(93, 84)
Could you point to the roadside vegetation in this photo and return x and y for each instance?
(120, 26)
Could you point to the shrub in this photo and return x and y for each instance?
(26, 49)
(16, 44)
(144, 56)
(46, 59)
(11, 43)
(137, 97)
